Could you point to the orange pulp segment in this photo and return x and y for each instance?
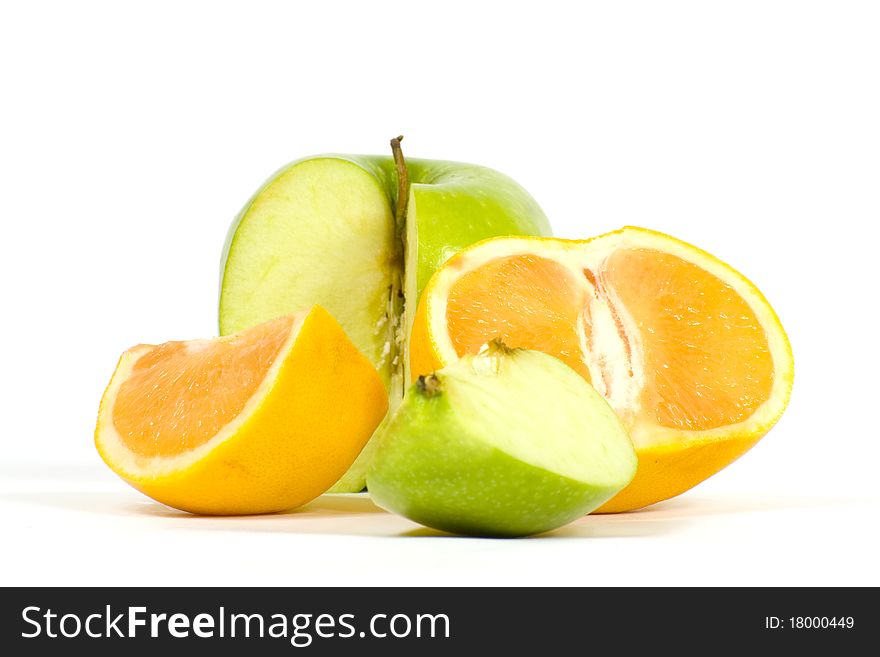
(180, 394)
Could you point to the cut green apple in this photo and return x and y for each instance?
(329, 230)
(504, 443)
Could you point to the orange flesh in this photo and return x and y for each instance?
(707, 361)
(180, 394)
(526, 301)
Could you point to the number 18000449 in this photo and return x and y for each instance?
(821, 622)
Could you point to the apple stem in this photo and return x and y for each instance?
(429, 386)
(402, 183)
(497, 346)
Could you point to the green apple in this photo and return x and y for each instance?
(504, 443)
(329, 230)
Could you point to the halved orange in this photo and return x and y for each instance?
(255, 422)
(683, 347)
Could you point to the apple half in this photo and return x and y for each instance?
(330, 230)
(507, 442)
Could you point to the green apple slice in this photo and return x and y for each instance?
(329, 230)
(319, 231)
(504, 443)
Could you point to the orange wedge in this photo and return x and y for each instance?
(255, 422)
(683, 347)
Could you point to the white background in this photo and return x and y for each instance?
(131, 134)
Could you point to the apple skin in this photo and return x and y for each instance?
(451, 205)
(451, 481)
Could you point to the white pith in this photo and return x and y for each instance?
(613, 339)
(134, 466)
(620, 388)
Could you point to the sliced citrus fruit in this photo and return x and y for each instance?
(683, 347)
(258, 421)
